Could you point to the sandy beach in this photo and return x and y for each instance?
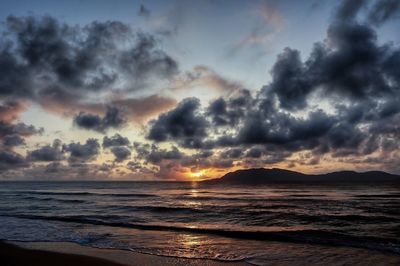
(66, 254)
(14, 253)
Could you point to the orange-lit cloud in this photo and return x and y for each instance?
(137, 109)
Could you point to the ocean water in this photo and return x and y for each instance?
(257, 224)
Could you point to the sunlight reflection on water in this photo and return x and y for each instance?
(197, 221)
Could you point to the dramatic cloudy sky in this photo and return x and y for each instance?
(98, 89)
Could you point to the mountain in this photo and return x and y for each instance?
(276, 175)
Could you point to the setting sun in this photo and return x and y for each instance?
(197, 174)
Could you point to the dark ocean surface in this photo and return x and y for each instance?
(251, 223)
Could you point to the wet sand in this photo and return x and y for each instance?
(278, 254)
(66, 254)
(12, 255)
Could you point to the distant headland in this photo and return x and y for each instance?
(276, 175)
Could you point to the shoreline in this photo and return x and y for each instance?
(14, 253)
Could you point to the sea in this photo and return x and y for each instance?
(331, 224)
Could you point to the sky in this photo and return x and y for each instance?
(190, 90)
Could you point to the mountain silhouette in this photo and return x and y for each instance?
(276, 175)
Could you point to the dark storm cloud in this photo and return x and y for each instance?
(290, 84)
(11, 160)
(232, 154)
(255, 152)
(118, 146)
(384, 10)
(254, 125)
(48, 153)
(116, 140)
(390, 66)
(345, 135)
(204, 154)
(15, 78)
(82, 152)
(121, 153)
(147, 59)
(229, 111)
(45, 60)
(18, 129)
(183, 124)
(47, 50)
(114, 118)
(351, 64)
(218, 110)
(152, 153)
(13, 140)
(281, 128)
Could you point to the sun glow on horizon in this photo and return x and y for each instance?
(197, 174)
